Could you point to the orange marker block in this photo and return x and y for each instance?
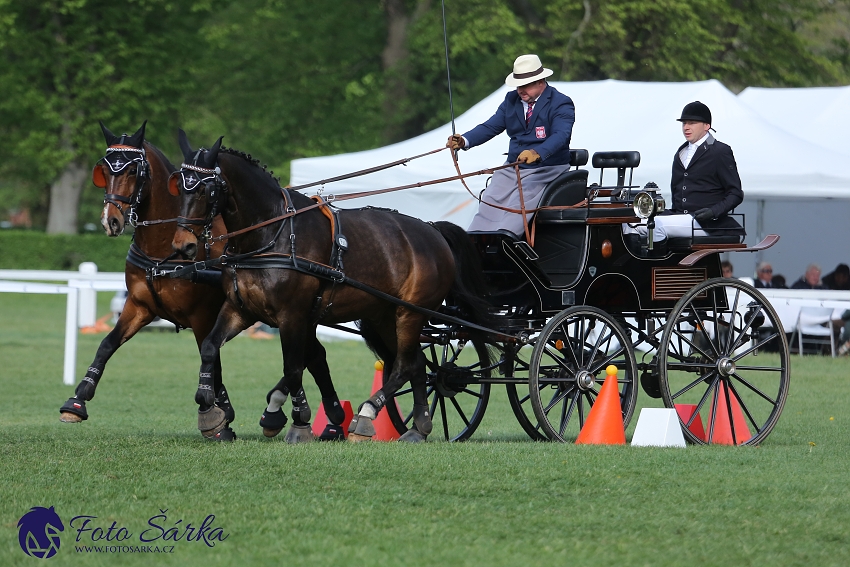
(722, 428)
(384, 428)
(685, 412)
(604, 425)
(321, 420)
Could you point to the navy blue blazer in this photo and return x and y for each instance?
(548, 132)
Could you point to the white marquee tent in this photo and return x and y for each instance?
(820, 115)
(775, 164)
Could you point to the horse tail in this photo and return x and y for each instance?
(469, 288)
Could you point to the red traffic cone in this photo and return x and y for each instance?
(321, 421)
(604, 424)
(384, 428)
(722, 428)
(685, 412)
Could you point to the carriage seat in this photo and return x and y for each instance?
(732, 233)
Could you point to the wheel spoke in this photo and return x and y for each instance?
(712, 418)
(756, 347)
(471, 393)
(732, 313)
(744, 407)
(692, 384)
(729, 414)
(566, 417)
(445, 419)
(558, 359)
(557, 397)
(754, 389)
(459, 411)
(702, 400)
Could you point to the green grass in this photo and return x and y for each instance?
(496, 500)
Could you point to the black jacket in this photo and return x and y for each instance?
(711, 180)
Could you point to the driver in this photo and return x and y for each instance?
(705, 184)
(539, 120)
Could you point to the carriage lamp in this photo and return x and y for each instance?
(647, 205)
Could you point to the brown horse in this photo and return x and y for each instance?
(289, 274)
(134, 174)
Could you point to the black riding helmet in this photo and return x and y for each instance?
(696, 111)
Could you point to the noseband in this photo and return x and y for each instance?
(116, 165)
(204, 180)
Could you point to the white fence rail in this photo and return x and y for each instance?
(80, 311)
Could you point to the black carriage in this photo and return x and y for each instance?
(582, 295)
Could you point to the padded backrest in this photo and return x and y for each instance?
(578, 158)
(568, 188)
(616, 159)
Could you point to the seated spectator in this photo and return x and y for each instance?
(764, 275)
(844, 349)
(809, 280)
(839, 278)
(727, 269)
(778, 282)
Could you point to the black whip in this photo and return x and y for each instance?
(448, 72)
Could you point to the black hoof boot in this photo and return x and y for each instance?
(334, 411)
(222, 400)
(332, 433)
(273, 422)
(226, 434)
(74, 411)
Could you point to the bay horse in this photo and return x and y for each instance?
(134, 175)
(272, 270)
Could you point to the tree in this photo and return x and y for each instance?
(68, 63)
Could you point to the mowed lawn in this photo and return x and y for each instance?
(140, 464)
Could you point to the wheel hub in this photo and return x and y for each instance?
(585, 380)
(725, 366)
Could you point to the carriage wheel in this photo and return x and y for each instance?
(724, 364)
(570, 355)
(521, 403)
(456, 399)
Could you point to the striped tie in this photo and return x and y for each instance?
(528, 112)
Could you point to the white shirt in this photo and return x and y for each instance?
(687, 153)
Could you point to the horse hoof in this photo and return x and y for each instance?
(271, 432)
(73, 411)
(413, 436)
(355, 438)
(362, 426)
(332, 433)
(211, 421)
(272, 422)
(298, 434)
(226, 434)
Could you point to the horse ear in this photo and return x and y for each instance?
(98, 177)
(183, 141)
(137, 139)
(212, 154)
(174, 185)
(111, 138)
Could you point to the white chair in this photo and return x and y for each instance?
(816, 324)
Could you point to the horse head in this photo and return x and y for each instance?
(121, 173)
(202, 195)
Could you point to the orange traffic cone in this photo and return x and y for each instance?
(100, 326)
(604, 424)
(685, 412)
(384, 428)
(722, 429)
(320, 424)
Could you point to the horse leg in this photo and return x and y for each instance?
(201, 329)
(292, 341)
(212, 419)
(133, 317)
(317, 364)
(409, 364)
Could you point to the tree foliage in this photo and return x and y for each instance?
(284, 79)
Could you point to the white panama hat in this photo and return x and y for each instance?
(527, 69)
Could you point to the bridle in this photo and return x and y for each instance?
(194, 178)
(113, 160)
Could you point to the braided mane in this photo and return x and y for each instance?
(251, 160)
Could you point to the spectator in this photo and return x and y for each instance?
(845, 333)
(839, 278)
(727, 269)
(764, 275)
(809, 280)
(778, 282)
